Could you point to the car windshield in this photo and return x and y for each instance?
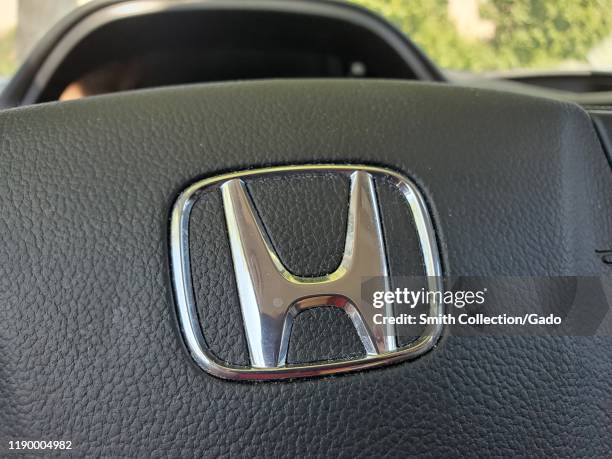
(474, 36)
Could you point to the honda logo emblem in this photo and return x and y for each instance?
(270, 296)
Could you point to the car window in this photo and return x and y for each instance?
(501, 35)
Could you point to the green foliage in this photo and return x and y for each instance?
(7, 54)
(528, 33)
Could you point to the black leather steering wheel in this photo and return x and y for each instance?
(90, 346)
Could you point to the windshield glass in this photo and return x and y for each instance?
(506, 35)
(476, 36)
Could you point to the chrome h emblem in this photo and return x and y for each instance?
(270, 296)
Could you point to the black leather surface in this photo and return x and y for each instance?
(89, 346)
(323, 334)
(603, 123)
(305, 218)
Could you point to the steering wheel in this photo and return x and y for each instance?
(92, 346)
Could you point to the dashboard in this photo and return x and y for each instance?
(116, 46)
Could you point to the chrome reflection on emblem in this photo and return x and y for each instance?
(270, 296)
